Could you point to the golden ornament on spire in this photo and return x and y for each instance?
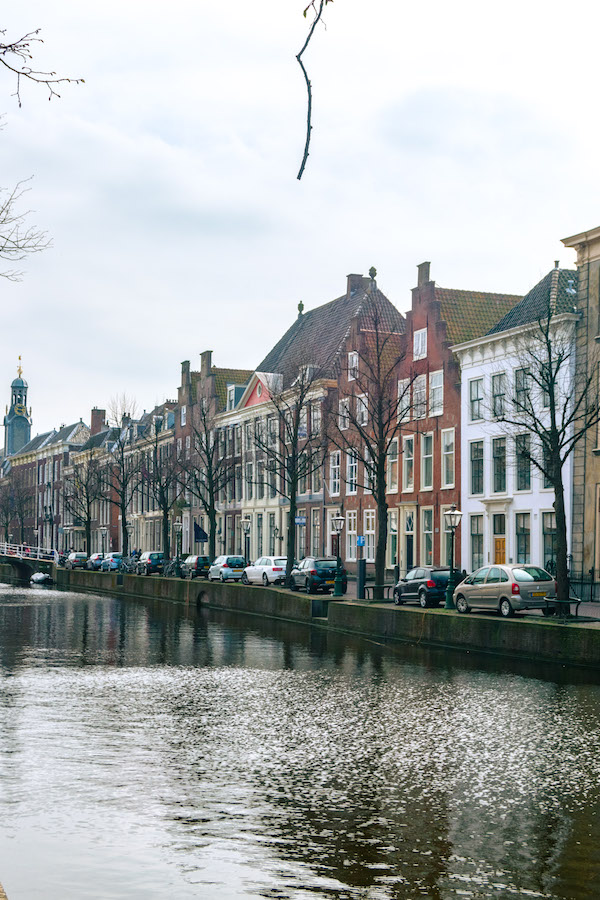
(19, 369)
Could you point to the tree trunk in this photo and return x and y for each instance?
(212, 532)
(291, 536)
(380, 549)
(124, 533)
(562, 577)
(165, 531)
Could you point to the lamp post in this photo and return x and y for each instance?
(453, 517)
(246, 523)
(177, 527)
(275, 536)
(338, 523)
(103, 532)
(129, 530)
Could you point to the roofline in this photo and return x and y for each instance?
(584, 237)
(510, 332)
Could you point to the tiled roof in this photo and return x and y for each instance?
(556, 291)
(40, 440)
(223, 377)
(67, 432)
(316, 337)
(470, 314)
(101, 438)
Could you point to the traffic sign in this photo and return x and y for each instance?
(300, 520)
(360, 541)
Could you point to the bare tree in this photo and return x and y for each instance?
(15, 56)
(6, 509)
(22, 495)
(17, 239)
(372, 408)
(317, 7)
(208, 471)
(291, 446)
(553, 407)
(161, 473)
(82, 488)
(122, 462)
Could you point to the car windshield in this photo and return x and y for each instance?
(440, 574)
(235, 561)
(325, 563)
(531, 573)
(280, 561)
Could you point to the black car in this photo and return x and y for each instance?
(425, 584)
(194, 566)
(149, 562)
(314, 574)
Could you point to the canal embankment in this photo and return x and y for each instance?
(574, 642)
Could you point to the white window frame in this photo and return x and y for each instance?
(352, 365)
(352, 471)
(420, 344)
(351, 534)
(478, 400)
(231, 397)
(408, 486)
(369, 519)
(420, 397)
(404, 400)
(425, 439)
(183, 415)
(334, 473)
(392, 468)
(362, 409)
(448, 454)
(426, 518)
(344, 413)
(436, 393)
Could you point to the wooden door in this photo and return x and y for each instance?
(500, 550)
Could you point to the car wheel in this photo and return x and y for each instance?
(307, 586)
(549, 611)
(245, 578)
(293, 585)
(398, 598)
(506, 609)
(222, 578)
(423, 599)
(265, 579)
(461, 604)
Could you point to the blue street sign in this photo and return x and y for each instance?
(360, 541)
(300, 520)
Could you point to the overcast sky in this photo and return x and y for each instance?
(452, 132)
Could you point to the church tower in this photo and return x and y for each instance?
(17, 421)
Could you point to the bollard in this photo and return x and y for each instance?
(361, 577)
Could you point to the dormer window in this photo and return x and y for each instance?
(352, 365)
(231, 397)
(420, 344)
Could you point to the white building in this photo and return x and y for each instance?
(508, 509)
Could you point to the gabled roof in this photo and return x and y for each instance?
(108, 435)
(36, 443)
(470, 314)
(317, 336)
(223, 377)
(557, 292)
(68, 433)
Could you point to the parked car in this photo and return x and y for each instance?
(94, 561)
(76, 560)
(226, 568)
(62, 557)
(150, 562)
(423, 584)
(194, 566)
(266, 570)
(314, 574)
(111, 562)
(505, 588)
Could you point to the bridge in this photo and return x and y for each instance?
(26, 560)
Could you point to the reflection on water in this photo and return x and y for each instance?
(147, 752)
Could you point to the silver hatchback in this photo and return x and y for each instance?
(506, 589)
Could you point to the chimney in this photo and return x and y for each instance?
(355, 283)
(98, 421)
(185, 372)
(205, 363)
(423, 271)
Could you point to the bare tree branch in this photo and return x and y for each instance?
(15, 56)
(318, 13)
(16, 239)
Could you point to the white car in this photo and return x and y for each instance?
(227, 568)
(266, 570)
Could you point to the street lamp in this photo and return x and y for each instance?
(453, 517)
(338, 523)
(246, 523)
(103, 532)
(177, 527)
(275, 536)
(129, 530)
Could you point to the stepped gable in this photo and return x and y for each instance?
(470, 314)
(556, 291)
(318, 335)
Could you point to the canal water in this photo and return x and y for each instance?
(149, 753)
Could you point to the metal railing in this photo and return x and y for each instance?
(24, 551)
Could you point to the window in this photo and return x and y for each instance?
(476, 398)
(392, 467)
(448, 458)
(315, 419)
(272, 469)
(549, 541)
(499, 464)
(477, 467)
(249, 480)
(272, 550)
(408, 464)
(523, 527)
(369, 520)
(334, 473)
(302, 479)
(272, 431)
(315, 532)
(362, 409)
(522, 451)
(352, 365)
(546, 480)
(237, 440)
(426, 462)
(183, 415)
(420, 397)
(446, 544)
(230, 397)
(436, 393)
(427, 537)
(316, 480)
(351, 471)
(188, 444)
(498, 394)
(404, 400)
(238, 482)
(259, 534)
(369, 475)
(351, 532)
(476, 542)
(392, 541)
(303, 423)
(260, 480)
(301, 535)
(344, 414)
(248, 435)
(522, 400)
(420, 344)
